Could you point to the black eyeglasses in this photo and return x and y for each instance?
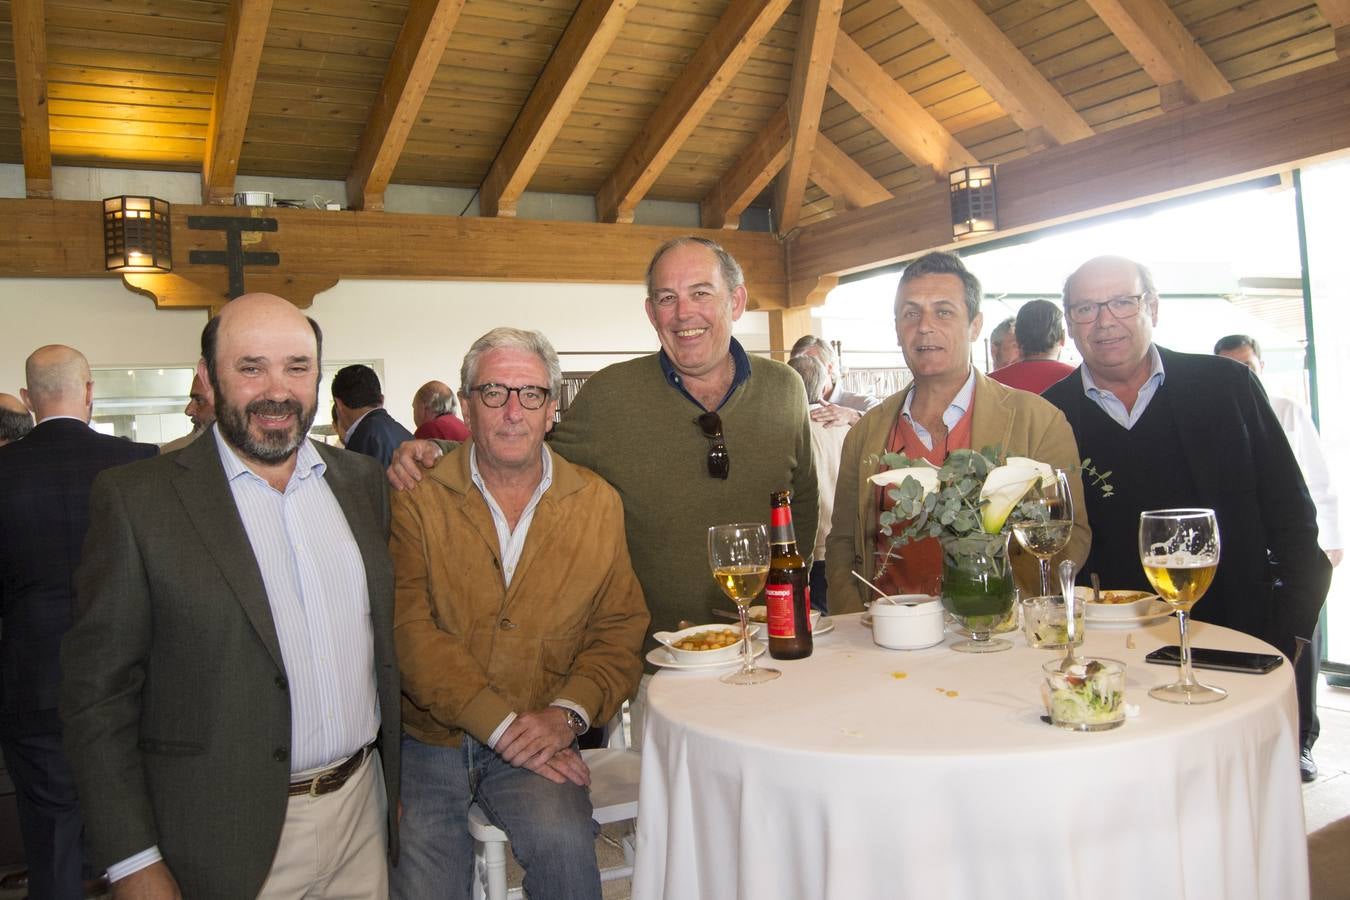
(719, 461)
(531, 396)
(1121, 307)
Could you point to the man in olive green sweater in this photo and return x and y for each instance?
(695, 435)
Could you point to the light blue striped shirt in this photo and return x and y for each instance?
(1112, 405)
(316, 586)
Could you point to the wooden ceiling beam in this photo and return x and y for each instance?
(835, 172)
(64, 239)
(1337, 14)
(416, 57)
(806, 95)
(1290, 121)
(747, 179)
(890, 109)
(245, 32)
(29, 22)
(712, 67)
(963, 29)
(589, 34)
(1158, 41)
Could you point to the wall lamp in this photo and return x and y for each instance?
(974, 204)
(136, 234)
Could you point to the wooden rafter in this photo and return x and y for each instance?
(744, 181)
(806, 95)
(239, 56)
(589, 34)
(962, 29)
(698, 86)
(1163, 47)
(1257, 131)
(835, 172)
(417, 55)
(30, 67)
(890, 109)
(1337, 14)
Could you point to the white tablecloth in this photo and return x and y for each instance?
(872, 773)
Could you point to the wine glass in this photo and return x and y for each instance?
(1051, 525)
(1180, 552)
(739, 556)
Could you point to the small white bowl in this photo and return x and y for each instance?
(1115, 604)
(908, 622)
(759, 615)
(668, 638)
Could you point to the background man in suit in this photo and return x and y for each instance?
(364, 424)
(201, 409)
(15, 419)
(1187, 430)
(235, 640)
(44, 513)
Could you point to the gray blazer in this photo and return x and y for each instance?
(175, 699)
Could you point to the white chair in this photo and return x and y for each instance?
(614, 796)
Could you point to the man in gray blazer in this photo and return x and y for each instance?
(231, 689)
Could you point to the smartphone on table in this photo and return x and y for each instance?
(1223, 660)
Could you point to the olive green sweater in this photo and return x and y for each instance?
(639, 433)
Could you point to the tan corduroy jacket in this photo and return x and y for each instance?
(1019, 423)
(470, 649)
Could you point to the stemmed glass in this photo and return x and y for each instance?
(739, 556)
(1180, 552)
(1048, 532)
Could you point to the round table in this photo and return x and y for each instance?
(872, 773)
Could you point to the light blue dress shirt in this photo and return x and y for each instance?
(950, 416)
(1112, 405)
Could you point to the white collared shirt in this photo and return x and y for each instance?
(950, 416)
(347, 436)
(1112, 405)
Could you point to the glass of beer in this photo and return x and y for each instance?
(739, 556)
(1048, 532)
(1180, 552)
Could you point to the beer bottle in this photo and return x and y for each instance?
(788, 593)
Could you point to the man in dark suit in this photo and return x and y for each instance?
(362, 421)
(237, 690)
(44, 513)
(1186, 430)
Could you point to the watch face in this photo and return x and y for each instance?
(575, 722)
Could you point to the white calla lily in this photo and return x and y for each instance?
(1005, 487)
(1046, 472)
(926, 476)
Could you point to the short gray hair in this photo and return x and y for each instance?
(938, 263)
(814, 376)
(731, 270)
(14, 425)
(1145, 278)
(512, 339)
(808, 343)
(437, 401)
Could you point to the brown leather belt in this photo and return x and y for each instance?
(331, 779)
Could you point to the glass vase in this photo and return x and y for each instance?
(977, 588)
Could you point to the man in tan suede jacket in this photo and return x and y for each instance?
(518, 622)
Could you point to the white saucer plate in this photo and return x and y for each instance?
(659, 657)
(1159, 611)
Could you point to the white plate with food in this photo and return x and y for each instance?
(1156, 612)
(1116, 604)
(758, 615)
(662, 659)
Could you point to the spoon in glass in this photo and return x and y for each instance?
(1066, 587)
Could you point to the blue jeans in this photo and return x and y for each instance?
(550, 827)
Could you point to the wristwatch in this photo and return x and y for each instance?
(575, 721)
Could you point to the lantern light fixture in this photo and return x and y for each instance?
(136, 234)
(974, 201)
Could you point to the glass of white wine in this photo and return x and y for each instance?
(1048, 533)
(739, 556)
(1180, 552)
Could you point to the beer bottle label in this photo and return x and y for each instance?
(778, 599)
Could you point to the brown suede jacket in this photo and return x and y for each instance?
(472, 650)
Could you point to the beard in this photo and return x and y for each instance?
(271, 447)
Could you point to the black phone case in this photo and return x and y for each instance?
(1221, 660)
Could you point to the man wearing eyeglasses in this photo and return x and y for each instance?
(1186, 430)
(517, 621)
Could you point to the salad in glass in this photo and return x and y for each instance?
(1087, 697)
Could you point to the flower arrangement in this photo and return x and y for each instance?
(970, 498)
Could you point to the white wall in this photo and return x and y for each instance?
(419, 329)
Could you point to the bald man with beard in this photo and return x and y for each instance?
(45, 482)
